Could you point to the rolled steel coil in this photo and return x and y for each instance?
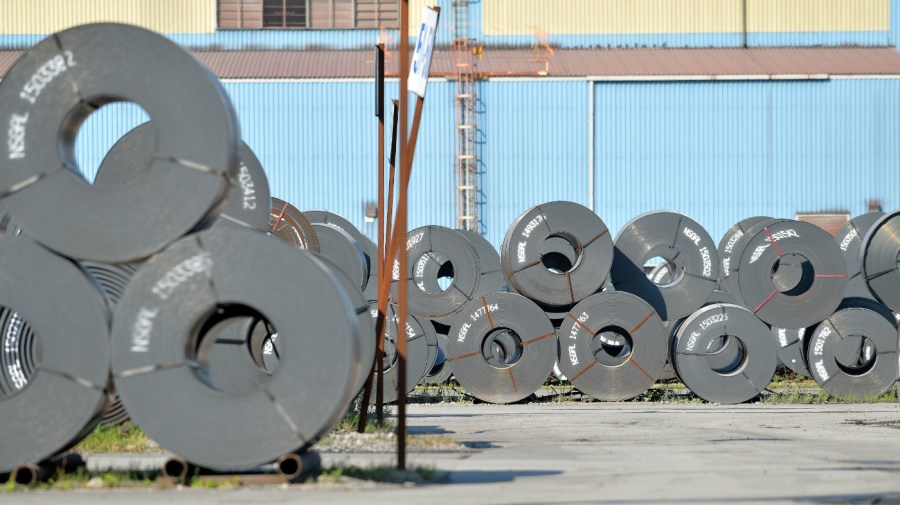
(159, 341)
(731, 246)
(880, 260)
(289, 224)
(55, 85)
(440, 371)
(791, 343)
(62, 398)
(247, 205)
(791, 274)
(112, 279)
(344, 252)
(677, 240)
(853, 353)
(437, 241)
(421, 352)
(849, 239)
(535, 268)
(612, 346)
(369, 249)
(702, 338)
(501, 348)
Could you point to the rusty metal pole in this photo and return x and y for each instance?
(386, 266)
(379, 113)
(399, 233)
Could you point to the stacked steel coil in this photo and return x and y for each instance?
(234, 328)
(622, 309)
(156, 292)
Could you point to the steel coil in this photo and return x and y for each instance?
(705, 335)
(850, 238)
(853, 353)
(535, 268)
(62, 398)
(195, 159)
(612, 346)
(160, 339)
(501, 348)
(290, 225)
(247, 205)
(791, 274)
(461, 260)
(673, 239)
(880, 260)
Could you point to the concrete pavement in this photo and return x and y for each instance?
(611, 453)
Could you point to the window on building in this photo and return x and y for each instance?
(284, 13)
(317, 14)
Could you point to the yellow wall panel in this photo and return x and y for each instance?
(164, 16)
(581, 17)
(818, 15)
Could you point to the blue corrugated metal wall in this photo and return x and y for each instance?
(534, 148)
(724, 151)
(717, 151)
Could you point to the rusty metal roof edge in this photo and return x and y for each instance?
(632, 64)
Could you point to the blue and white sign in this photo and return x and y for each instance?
(421, 61)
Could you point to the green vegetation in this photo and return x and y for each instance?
(350, 423)
(83, 479)
(126, 438)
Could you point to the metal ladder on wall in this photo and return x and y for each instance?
(466, 147)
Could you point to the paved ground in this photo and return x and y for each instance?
(614, 453)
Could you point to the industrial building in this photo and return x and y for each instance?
(720, 109)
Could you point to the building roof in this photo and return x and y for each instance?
(611, 64)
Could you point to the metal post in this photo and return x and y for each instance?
(386, 265)
(400, 231)
(379, 113)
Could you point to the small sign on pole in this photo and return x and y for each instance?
(421, 60)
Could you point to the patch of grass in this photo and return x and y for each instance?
(350, 422)
(432, 442)
(83, 479)
(667, 393)
(448, 392)
(202, 483)
(127, 438)
(802, 397)
(786, 378)
(386, 474)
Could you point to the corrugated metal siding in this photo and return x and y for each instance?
(534, 148)
(317, 142)
(717, 151)
(566, 23)
(818, 15)
(720, 152)
(585, 17)
(687, 23)
(165, 16)
(231, 40)
(101, 130)
(895, 24)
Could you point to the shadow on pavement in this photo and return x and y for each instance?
(494, 476)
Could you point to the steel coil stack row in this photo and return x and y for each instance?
(660, 301)
(173, 290)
